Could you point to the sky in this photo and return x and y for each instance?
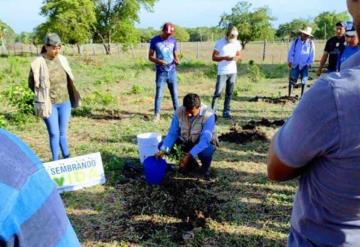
(23, 15)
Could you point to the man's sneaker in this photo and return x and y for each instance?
(157, 117)
(227, 115)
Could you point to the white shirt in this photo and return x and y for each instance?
(226, 48)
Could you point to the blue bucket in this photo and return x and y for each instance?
(154, 170)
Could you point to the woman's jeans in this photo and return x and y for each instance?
(168, 77)
(57, 124)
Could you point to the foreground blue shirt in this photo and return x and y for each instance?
(31, 211)
(301, 53)
(323, 136)
(205, 135)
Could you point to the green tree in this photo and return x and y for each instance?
(7, 34)
(71, 19)
(181, 34)
(26, 38)
(116, 20)
(252, 24)
(204, 33)
(146, 34)
(287, 30)
(325, 23)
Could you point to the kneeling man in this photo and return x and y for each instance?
(193, 128)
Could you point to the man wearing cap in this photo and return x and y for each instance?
(163, 53)
(226, 53)
(352, 44)
(300, 58)
(320, 145)
(333, 48)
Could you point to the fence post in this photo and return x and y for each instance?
(197, 49)
(264, 51)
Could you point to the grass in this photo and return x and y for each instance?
(241, 206)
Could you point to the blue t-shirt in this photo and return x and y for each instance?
(323, 136)
(348, 52)
(31, 210)
(164, 50)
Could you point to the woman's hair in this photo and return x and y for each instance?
(43, 49)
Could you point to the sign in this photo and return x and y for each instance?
(77, 173)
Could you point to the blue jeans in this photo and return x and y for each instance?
(296, 72)
(57, 124)
(229, 80)
(168, 77)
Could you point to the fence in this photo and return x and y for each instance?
(260, 52)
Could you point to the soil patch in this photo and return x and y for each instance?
(187, 199)
(240, 136)
(263, 122)
(275, 100)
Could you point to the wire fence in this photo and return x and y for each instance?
(258, 51)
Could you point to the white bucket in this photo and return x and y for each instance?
(148, 144)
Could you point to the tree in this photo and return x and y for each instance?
(26, 38)
(252, 25)
(204, 33)
(181, 34)
(146, 34)
(7, 34)
(325, 23)
(286, 31)
(116, 20)
(71, 19)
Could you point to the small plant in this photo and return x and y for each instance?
(176, 153)
(136, 89)
(98, 98)
(20, 97)
(3, 122)
(254, 72)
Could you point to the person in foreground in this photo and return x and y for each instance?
(52, 81)
(318, 144)
(193, 129)
(31, 210)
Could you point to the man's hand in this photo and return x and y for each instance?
(185, 161)
(289, 65)
(159, 154)
(318, 72)
(176, 61)
(228, 58)
(161, 62)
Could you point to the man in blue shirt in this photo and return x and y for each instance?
(352, 44)
(193, 127)
(300, 58)
(320, 144)
(31, 210)
(163, 53)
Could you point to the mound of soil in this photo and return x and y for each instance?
(276, 100)
(240, 136)
(188, 200)
(263, 122)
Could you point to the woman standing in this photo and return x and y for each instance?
(52, 82)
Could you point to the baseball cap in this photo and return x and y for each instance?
(341, 23)
(350, 29)
(168, 28)
(52, 39)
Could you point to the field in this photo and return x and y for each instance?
(238, 206)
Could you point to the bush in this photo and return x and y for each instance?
(254, 72)
(3, 122)
(20, 97)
